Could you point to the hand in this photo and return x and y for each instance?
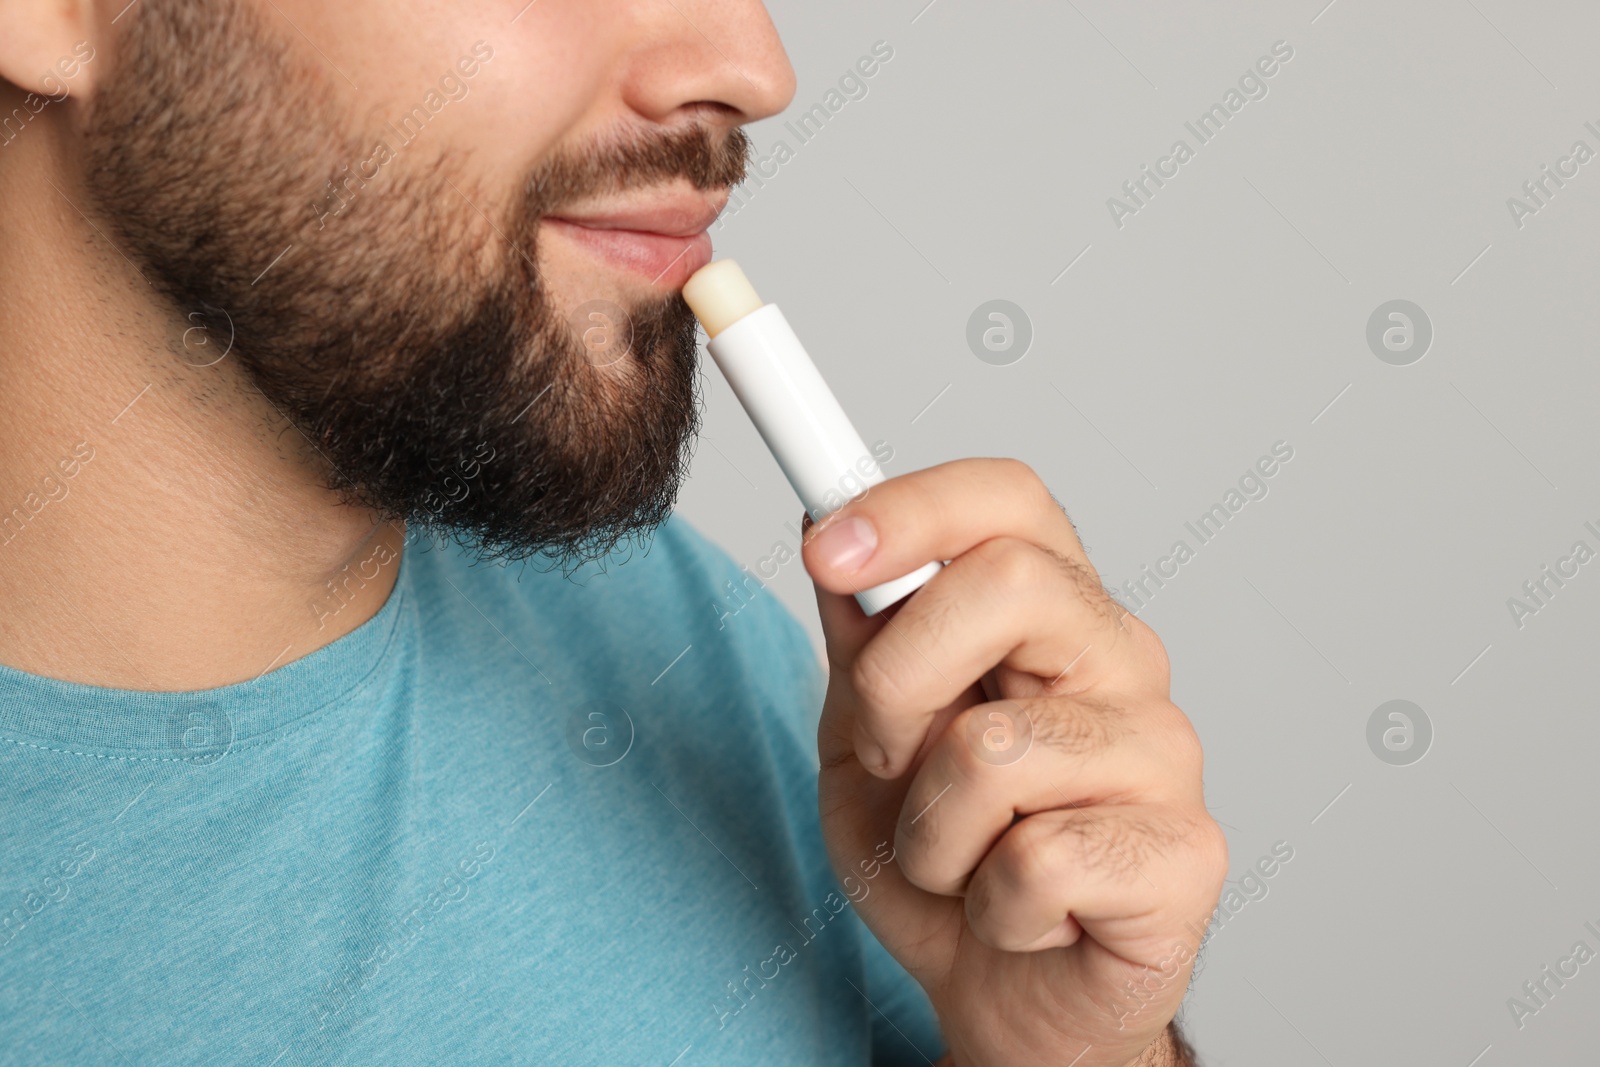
(1009, 729)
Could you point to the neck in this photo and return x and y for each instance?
(162, 527)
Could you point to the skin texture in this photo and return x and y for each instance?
(381, 360)
(209, 179)
(259, 389)
(1009, 729)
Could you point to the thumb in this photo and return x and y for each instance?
(845, 627)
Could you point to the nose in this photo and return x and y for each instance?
(720, 60)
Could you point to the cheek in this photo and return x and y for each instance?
(499, 105)
(551, 81)
(548, 72)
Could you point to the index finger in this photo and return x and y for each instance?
(936, 514)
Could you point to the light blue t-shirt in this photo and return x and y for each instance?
(513, 818)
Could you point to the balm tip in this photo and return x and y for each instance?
(720, 295)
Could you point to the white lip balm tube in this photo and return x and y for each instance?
(803, 425)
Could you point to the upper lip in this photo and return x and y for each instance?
(672, 215)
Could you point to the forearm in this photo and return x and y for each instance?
(1168, 1050)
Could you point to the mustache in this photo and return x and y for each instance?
(619, 164)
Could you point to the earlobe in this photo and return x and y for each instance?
(48, 49)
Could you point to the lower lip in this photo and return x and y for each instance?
(666, 261)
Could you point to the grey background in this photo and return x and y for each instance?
(1228, 314)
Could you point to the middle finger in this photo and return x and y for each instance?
(1004, 603)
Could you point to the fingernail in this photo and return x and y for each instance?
(847, 544)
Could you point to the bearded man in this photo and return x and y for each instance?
(358, 699)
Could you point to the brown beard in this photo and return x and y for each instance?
(407, 337)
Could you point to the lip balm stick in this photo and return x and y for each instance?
(792, 407)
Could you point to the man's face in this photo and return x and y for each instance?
(421, 226)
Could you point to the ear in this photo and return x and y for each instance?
(49, 46)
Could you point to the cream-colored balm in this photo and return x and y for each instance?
(792, 407)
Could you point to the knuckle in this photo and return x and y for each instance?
(1010, 565)
(1032, 488)
(1211, 847)
(932, 620)
(876, 680)
(1088, 587)
(959, 751)
(1118, 848)
(1029, 859)
(917, 829)
(1018, 473)
(909, 850)
(1155, 650)
(913, 846)
(1182, 746)
(990, 925)
(978, 903)
(1076, 727)
(1161, 662)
